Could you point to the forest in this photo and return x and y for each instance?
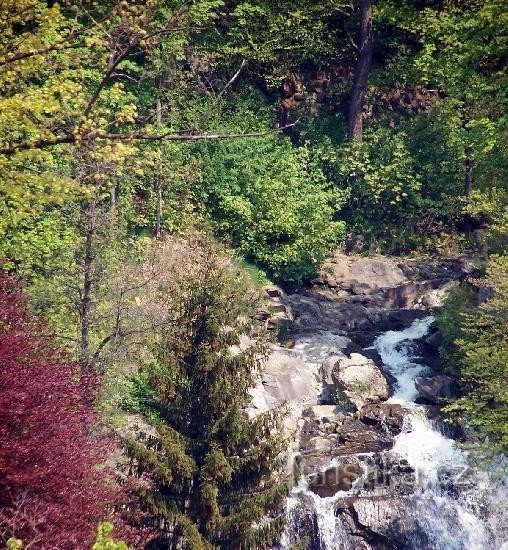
(162, 162)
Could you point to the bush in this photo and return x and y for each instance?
(273, 203)
(381, 180)
(480, 345)
(52, 495)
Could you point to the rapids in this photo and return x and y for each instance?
(452, 506)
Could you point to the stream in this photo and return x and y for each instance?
(451, 505)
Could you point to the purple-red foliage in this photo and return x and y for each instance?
(52, 491)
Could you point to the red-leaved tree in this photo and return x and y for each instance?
(53, 491)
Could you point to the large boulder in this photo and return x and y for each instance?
(436, 389)
(360, 379)
(365, 275)
(335, 478)
(287, 379)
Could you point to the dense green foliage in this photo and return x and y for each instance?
(436, 88)
(272, 202)
(124, 124)
(216, 473)
(477, 348)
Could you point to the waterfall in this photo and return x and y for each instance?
(397, 358)
(452, 506)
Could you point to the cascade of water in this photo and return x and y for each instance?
(397, 358)
(444, 511)
(448, 507)
(331, 531)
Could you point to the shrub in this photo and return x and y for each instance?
(273, 203)
(52, 495)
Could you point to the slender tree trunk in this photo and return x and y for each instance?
(113, 197)
(362, 69)
(158, 182)
(86, 296)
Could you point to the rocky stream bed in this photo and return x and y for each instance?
(372, 465)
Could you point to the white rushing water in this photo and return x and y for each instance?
(444, 515)
(453, 506)
(397, 358)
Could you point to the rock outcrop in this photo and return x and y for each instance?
(341, 424)
(369, 294)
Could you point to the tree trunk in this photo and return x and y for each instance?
(158, 182)
(362, 69)
(113, 196)
(86, 296)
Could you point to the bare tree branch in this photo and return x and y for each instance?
(190, 137)
(62, 45)
(231, 81)
(121, 56)
(133, 136)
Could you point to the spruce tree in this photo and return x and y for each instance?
(216, 474)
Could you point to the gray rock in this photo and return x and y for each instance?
(385, 416)
(436, 389)
(328, 366)
(274, 292)
(343, 436)
(360, 379)
(286, 378)
(354, 293)
(434, 340)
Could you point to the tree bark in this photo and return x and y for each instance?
(362, 69)
(86, 296)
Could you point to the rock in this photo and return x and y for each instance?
(373, 273)
(361, 289)
(333, 479)
(385, 416)
(428, 352)
(434, 340)
(435, 389)
(329, 389)
(378, 516)
(343, 436)
(274, 292)
(360, 379)
(286, 378)
(282, 319)
(402, 318)
(355, 293)
(354, 437)
(322, 413)
(362, 339)
(436, 297)
(278, 308)
(262, 313)
(328, 366)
